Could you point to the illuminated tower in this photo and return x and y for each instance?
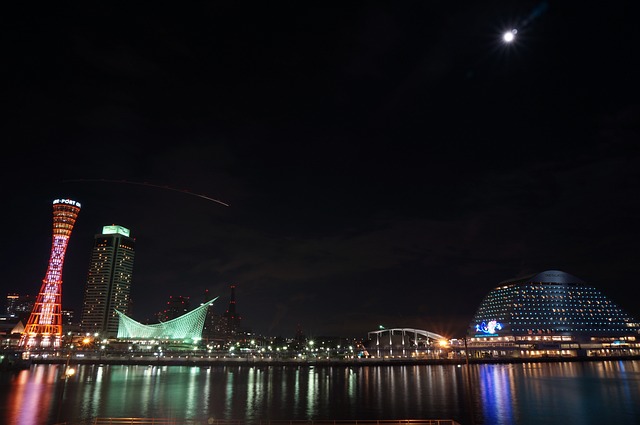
(44, 327)
(108, 281)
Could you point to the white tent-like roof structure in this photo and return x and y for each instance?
(186, 327)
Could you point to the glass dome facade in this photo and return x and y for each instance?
(554, 304)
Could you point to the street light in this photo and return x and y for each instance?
(466, 351)
(69, 372)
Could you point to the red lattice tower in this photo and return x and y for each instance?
(44, 327)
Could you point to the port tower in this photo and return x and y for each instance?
(44, 327)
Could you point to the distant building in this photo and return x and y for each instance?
(221, 329)
(231, 316)
(551, 314)
(19, 305)
(214, 330)
(69, 322)
(11, 327)
(108, 281)
(175, 307)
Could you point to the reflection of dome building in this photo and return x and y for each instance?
(552, 313)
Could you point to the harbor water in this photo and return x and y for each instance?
(591, 392)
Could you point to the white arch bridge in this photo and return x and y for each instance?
(404, 342)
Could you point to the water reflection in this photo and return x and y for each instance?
(29, 401)
(496, 393)
(529, 393)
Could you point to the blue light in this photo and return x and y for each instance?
(489, 328)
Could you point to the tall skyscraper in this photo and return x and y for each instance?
(44, 327)
(233, 319)
(108, 281)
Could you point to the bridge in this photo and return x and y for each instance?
(404, 342)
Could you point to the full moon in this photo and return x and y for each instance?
(509, 36)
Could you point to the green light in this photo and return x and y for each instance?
(115, 229)
(186, 327)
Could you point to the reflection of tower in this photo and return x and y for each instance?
(108, 281)
(44, 327)
(233, 320)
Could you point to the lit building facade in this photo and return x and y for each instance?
(44, 327)
(551, 314)
(108, 281)
(19, 305)
(185, 328)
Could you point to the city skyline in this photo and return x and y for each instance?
(353, 166)
(98, 262)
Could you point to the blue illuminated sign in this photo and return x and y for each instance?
(490, 328)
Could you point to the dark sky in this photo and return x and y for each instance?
(385, 163)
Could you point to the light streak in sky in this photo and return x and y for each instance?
(535, 13)
(149, 185)
(509, 35)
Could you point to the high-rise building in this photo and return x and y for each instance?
(20, 305)
(44, 327)
(108, 281)
(12, 300)
(231, 316)
(176, 307)
(215, 325)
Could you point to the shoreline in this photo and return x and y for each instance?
(205, 362)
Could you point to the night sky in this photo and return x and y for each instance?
(384, 163)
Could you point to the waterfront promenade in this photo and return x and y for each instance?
(171, 421)
(257, 361)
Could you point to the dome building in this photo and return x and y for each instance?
(551, 314)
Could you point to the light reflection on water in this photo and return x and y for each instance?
(528, 393)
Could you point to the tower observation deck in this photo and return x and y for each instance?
(44, 327)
